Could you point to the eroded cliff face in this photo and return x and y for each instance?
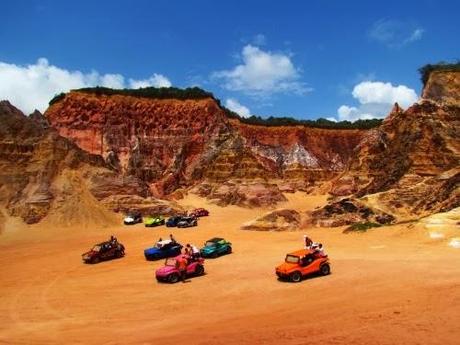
(296, 152)
(443, 86)
(173, 144)
(43, 174)
(158, 141)
(409, 166)
(422, 141)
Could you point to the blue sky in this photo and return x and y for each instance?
(305, 59)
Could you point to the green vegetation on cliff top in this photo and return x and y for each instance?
(426, 70)
(197, 93)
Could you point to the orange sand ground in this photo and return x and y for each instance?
(392, 285)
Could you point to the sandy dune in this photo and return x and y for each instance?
(393, 285)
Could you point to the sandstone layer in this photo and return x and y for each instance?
(43, 173)
(174, 144)
(277, 220)
(409, 166)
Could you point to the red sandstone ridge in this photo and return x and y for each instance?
(302, 152)
(159, 141)
(443, 86)
(410, 166)
(44, 175)
(171, 143)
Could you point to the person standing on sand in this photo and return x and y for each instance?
(307, 241)
(181, 265)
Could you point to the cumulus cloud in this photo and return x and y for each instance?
(237, 107)
(262, 73)
(375, 100)
(395, 33)
(156, 80)
(31, 86)
(378, 92)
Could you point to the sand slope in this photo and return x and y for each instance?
(393, 285)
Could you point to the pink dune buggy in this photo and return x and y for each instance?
(170, 274)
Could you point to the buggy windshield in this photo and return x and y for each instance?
(210, 244)
(96, 248)
(170, 262)
(292, 259)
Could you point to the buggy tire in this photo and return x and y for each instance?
(173, 278)
(295, 277)
(325, 269)
(199, 270)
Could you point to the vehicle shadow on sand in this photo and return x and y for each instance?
(189, 279)
(305, 278)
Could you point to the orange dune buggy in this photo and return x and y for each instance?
(303, 262)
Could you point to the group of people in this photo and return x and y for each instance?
(191, 252)
(171, 238)
(315, 246)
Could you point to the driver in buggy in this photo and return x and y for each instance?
(307, 260)
(113, 241)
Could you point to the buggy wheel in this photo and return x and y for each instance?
(199, 270)
(325, 269)
(296, 277)
(214, 255)
(229, 250)
(173, 278)
(95, 260)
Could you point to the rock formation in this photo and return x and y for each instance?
(409, 166)
(241, 193)
(122, 149)
(348, 211)
(41, 171)
(178, 143)
(443, 86)
(277, 220)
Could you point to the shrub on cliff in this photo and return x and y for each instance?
(426, 70)
(319, 123)
(57, 98)
(197, 93)
(152, 92)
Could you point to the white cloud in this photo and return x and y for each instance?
(352, 113)
(395, 33)
(262, 73)
(377, 92)
(32, 86)
(156, 80)
(415, 36)
(237, 107)
(376, 100)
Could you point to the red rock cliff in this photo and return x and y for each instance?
(174, 143)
